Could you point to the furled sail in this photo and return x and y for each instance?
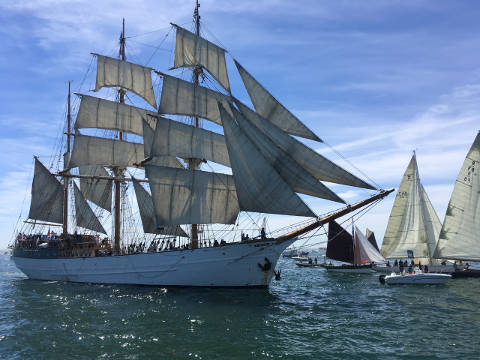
(192, 50)
(130, 76)
(259, 187)
(92, 150)
(98, 191)
(317, 165)
(181, 97)
(268, 107)
(459, 237)
(364, 251)
(177, 139)
(159, 160)
(340, 243)
(410, 226)
(371, 239)
(84, 215)
(291, 171)
(47, 196)
(192, 197)
(147, 213)
(104, 114)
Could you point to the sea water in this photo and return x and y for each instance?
(308, 314)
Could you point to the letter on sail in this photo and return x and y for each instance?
(320, 167)
(192, 50)
(147, 213)
(180, 97)
(98, 191)
(292, 172)
(104, 114)
(459, 238)
(191, 196)
(259, 187)
(410, 226)
(47, 196)
(176, 139)
(84, 215)
(268, 107)
(92, 150)
(130, 76)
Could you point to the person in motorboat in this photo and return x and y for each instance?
(400, 267)
(466, 267)
(395, 263)
(425, 269)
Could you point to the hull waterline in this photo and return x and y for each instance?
(234, 265)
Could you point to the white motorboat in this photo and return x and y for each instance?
(419, 278)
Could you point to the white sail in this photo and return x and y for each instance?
(459, 237)
(159, 160)
(47, 196)
(92, 150)
(104, 114)
(181, 97)
(147, 214)
(317, 165)
(409, 226)
(130, 76)
(268, 107)
(432, 223)
(192, 50)
(84, 215)
(367, 252)
(192, 197)
(98, 191)
(177, 139)
(291, 171)
(259, 187)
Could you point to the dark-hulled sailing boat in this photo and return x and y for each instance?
(355, 250)
(178, 245)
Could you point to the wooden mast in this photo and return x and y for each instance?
(196, 72)
(66, 179)
(117, 171)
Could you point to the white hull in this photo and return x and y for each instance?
(234, 265)
(431, 268)
(428, 278)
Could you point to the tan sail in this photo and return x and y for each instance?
(47, 196)
(84, 215)
(98, 191)
(130, 76)
(159, 160)
(459, 237)
(192, 50)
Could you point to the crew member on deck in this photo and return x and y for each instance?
(262, 233)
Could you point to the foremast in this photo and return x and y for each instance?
(66, 158)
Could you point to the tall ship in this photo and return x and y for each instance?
(161, 159)
(413, 226)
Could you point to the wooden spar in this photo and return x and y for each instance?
(98, 177)
(117, 171)
(66, 179)
(40, 223)
(333, 216)
(193, 163)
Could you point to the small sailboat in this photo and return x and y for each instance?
(459, 237)
(355, 250)
(413, 226)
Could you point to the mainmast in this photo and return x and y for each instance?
(66, 157)
(193, 163)
(118, 171)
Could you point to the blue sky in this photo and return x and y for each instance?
(375, 79)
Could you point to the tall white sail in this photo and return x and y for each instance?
(291, 171)
(98, 191)
(130, 76)
(192, 197)
(268, 107)
(432, 223)
(180, 97)
(410, 226)
(192, 50)
(104, 114)
(159, 160)
(47, 196)
(177, 139)
(92, 150)
(84, 215)
(317, 165)
(259, 187)
(147, 214)
(460, 234)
